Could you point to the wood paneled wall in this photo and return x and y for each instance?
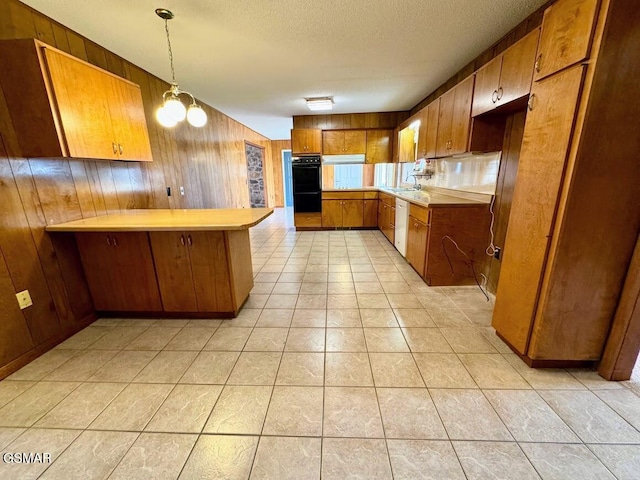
(209, 162)
(350, 120)
(277, 146)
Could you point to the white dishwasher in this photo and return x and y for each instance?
(402, 223)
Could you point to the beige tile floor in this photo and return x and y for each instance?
(343, 364)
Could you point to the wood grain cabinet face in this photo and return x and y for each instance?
(541, 166)
(119, 271)
(517, 69)
(306, 141)
(507, 77)
(342, 213)
(344, 142)
(417, 240)
(379, 146)
(64, 107)
(567, 30)
(192, 270)
(445, 123)
(454, 119)
(433, 111)
(370, 213)
(407, 145)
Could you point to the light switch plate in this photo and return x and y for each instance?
(181, 190)
(24, 299)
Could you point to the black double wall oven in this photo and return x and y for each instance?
(307, 184)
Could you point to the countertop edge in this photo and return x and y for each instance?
(71, 227)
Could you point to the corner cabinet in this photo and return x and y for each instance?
(306, 141)
(61, 106)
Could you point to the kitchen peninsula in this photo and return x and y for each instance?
(167, 263)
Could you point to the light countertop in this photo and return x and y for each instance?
(426, 197)
(147, 220)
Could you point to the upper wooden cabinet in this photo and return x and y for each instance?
(306, 141)
(344, 142)
(507, 77)
(567, 29)
(379, 146)
(433, 111)
(454, 119)
(407, 145)
(61, 106)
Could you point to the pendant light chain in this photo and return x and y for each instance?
(173, 72)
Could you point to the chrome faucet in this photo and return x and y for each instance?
(416, 185)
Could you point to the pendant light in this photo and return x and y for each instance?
(172, 109)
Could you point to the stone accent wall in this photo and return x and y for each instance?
(255, 174)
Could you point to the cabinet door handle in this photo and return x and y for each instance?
(182, 239)
(115, 148)
(108, 240)
(120, 148)
(189, 240)
(500, 92)
(115, 241)
(494, 96)
(538, 63)
(530, 102)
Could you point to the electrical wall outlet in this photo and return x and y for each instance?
(24, 299)
(496, 253)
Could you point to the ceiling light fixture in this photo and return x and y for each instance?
(320, 103)
(172, 109)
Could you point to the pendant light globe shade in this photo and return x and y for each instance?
(175, 109)
(164, 119)
(196, 116)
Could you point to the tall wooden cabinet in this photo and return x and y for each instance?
(574, 217)
(64, 107)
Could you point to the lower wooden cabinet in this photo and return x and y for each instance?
(342, 213)
(387, 216)
(188, 272)
(417, 244)
(119, 270)
(370, 213)
(192, 270)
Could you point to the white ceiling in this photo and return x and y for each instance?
(256, 60)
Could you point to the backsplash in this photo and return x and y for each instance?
(474, 173)
(477, 173)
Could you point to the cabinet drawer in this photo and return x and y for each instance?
(307, 219)
(370, 195)
(342, 195)
(388, 199)
(419, 213)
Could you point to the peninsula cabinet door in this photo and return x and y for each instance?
(332, 213)
(173, 268)
(545, 146)
(119, 271)
(210, 270)
(417, 239)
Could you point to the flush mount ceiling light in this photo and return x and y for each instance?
(172, 109)
(320, 103)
